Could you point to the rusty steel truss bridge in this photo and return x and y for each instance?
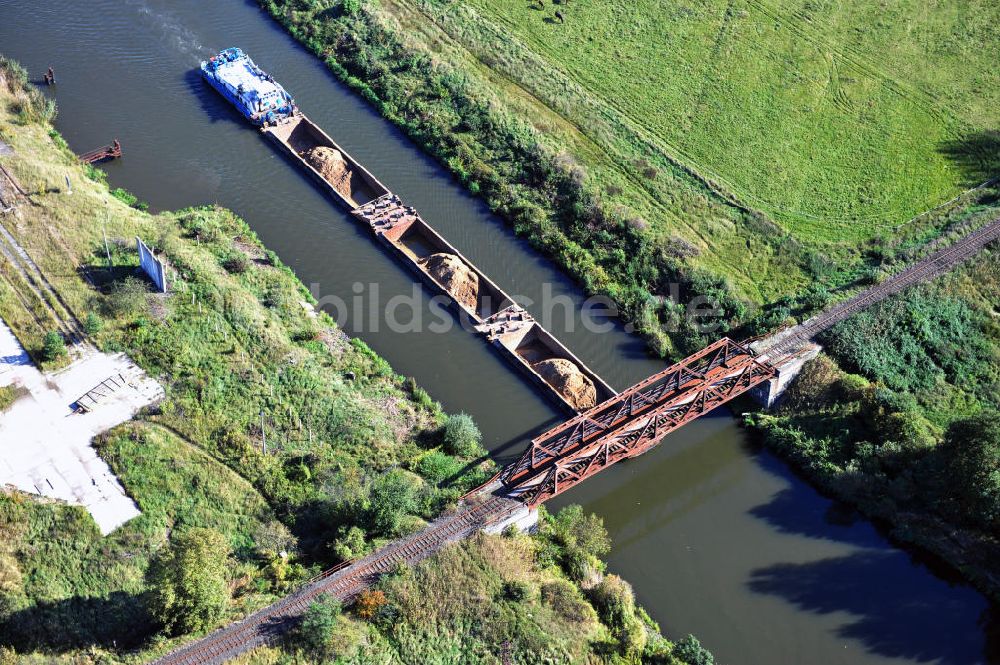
(634, 421)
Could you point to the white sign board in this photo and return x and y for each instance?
(151, 265)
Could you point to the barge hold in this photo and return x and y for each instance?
(336, 171)
(491, 312)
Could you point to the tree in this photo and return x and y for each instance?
(272, 538)
(972, 452)
(188, 580)
(318, 624)
(573, 528)
(690, 651)
(461, 436)
(54, 346)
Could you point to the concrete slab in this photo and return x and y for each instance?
(45, 441)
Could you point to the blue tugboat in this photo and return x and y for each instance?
(255, 93)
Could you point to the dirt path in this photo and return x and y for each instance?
(66, 322)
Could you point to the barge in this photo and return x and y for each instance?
(436, 260)
(492, 313)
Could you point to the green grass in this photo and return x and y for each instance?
(837, 119)
(574, 133)
(9, 395)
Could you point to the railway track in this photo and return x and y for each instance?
(65, 321)
(343, 583)
(932, 266)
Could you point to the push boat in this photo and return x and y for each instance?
(251, 90)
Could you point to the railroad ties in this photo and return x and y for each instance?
(927, 268)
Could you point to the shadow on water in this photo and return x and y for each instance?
(976, 155)
(212, 104)
(891, 612)
(895, 609)
(799, 510)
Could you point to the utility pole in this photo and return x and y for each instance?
(263, 436)
(104, 230)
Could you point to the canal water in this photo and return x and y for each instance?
(718, 538)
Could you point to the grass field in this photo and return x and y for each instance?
(839, 120)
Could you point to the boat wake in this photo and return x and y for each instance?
(170, 31)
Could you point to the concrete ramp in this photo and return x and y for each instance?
(45, 435)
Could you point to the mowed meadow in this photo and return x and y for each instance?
(840, 120)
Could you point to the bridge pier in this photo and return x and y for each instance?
(770, 391)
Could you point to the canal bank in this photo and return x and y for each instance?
(718, 538)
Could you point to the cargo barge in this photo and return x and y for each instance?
(490, 311)
(439, 263)
(493, 313)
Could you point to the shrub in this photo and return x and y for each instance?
(972, 453)
(615, 604)
(236, 263)
(515, 591)
(391, 498)
(369, 603)
(690, 652)
(9, 395)
(461, 436)
(129, 199)
(573, 529)
(271, 538)
(317, 627)
(95, 174)
(127, 297)
(351, 544)
(53, 347)
(565, 600)
(188, 581)
(436, 466)
(93, 324)
(614, 601)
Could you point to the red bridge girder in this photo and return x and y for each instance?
(634, 421)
